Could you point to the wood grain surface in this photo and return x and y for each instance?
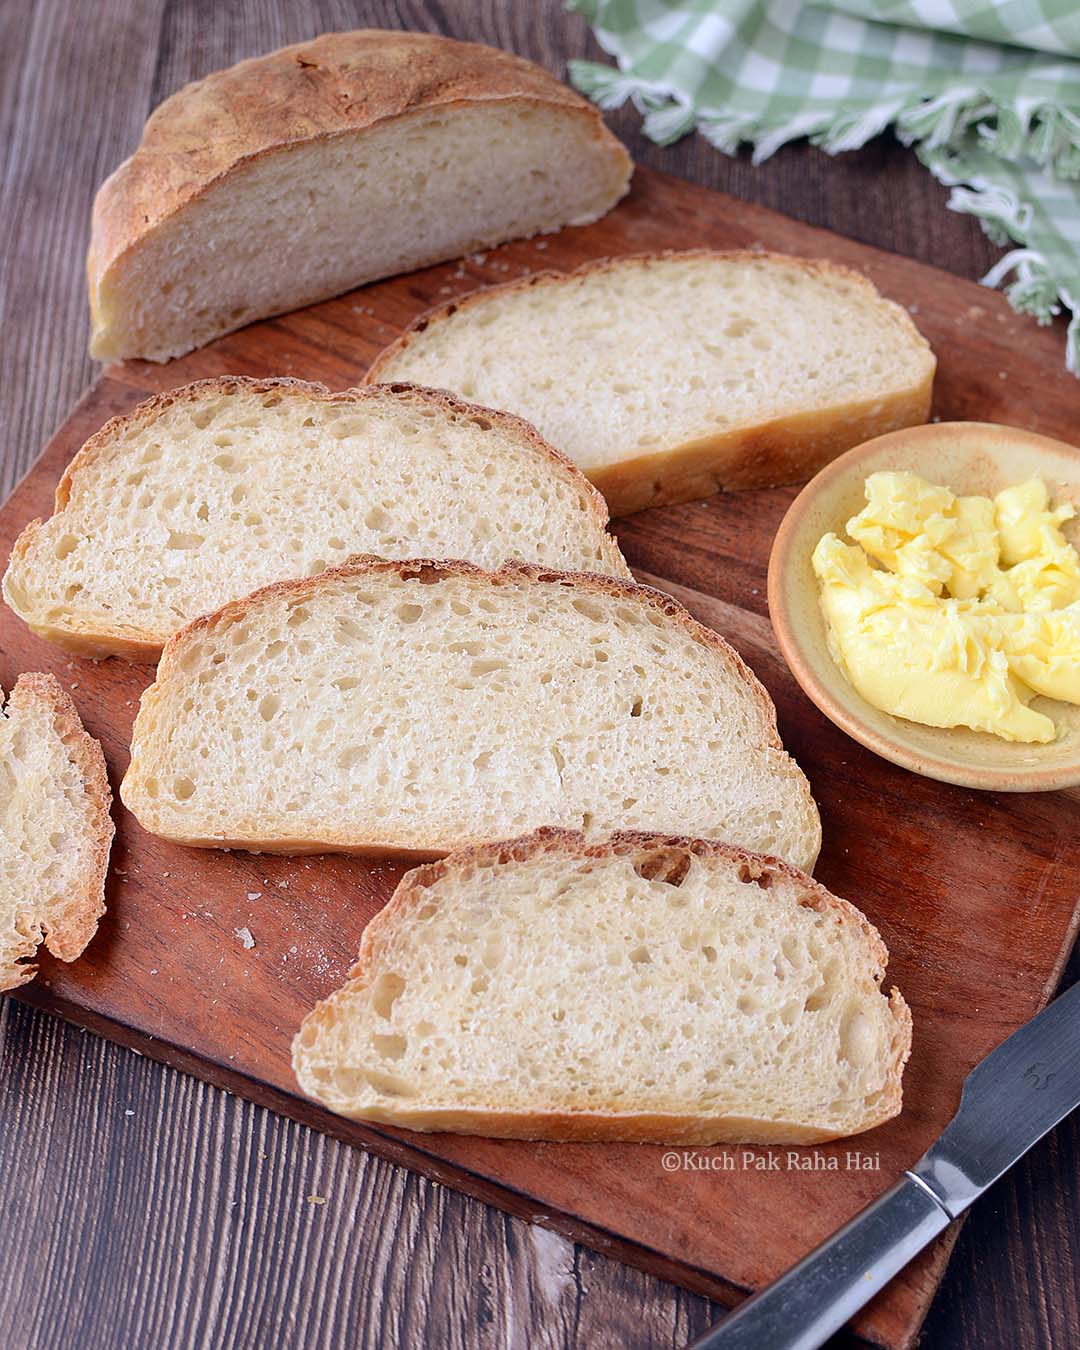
(197, 1206)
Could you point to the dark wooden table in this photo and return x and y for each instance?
(141, 1208)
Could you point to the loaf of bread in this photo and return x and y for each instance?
(296, 176)
(204, 494)
(674, 376)
(55, 828)
(408, 709)
(641, 987)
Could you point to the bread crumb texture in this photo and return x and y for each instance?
(638, 987)
(207, 493)
(630, 360)
(55, 828)
(415, 707)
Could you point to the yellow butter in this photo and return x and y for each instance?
(955, 611)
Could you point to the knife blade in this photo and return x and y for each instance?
(1009, 1100)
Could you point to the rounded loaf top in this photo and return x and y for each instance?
(336, 83)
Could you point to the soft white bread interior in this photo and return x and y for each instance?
(642, 988)
(298, 175)
(412, 708)
(208, 492)
(55, 828)
(673, 376)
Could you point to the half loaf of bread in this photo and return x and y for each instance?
(55, 828)
(641, 987)
(298, 175)
(673, 376)
(204, 494)
(408, 709)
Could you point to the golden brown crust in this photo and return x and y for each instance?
(632, 1127)
(788, 449)
(85, 906)
(595, 1127)
(339, 83)
(131, 645)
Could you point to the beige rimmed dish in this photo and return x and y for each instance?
(967, 457)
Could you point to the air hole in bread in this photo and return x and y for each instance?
(387, 989)
(269, 706)
(388, 1085)
(670, 866)
(179, 539)
(488, 666)
(590, 609)
(389, 1046)
(857, 1039)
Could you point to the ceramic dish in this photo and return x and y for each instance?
(968, 457)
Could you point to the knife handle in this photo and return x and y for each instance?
(817, 1297)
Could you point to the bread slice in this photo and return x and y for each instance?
(673, 376)
(642, 987)
(206, 493)
(408, 709)
(55, 828)
(298, 175)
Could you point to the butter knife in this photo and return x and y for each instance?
(1009, 1101)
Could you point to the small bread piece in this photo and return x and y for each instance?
(644, 987)
(203, 494)
(298, 175)
(55, 828)
(673, 376)
(408, 709)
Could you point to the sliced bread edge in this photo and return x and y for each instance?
(616, 1126)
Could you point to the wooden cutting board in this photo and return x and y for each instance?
(975, 894)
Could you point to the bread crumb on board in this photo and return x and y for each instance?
(244, 934)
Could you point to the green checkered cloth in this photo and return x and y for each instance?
(986, 91)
